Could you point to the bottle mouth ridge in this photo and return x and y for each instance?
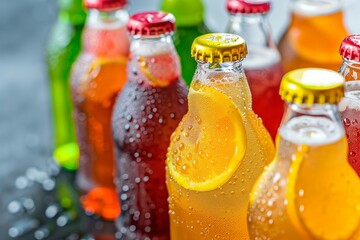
(311, 8)
(247, 7)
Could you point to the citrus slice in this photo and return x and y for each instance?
(104, 78)
(323, 192)
(209, 143)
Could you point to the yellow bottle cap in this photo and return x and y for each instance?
(218, 48)
(312, 86)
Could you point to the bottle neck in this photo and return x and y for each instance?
(350, 70)
(71, 12)
(311, 125)
(227, 77)
(153, 61)
(152, 45)
(254, 28)
(105, 33)
(313, 8)
(187, 12)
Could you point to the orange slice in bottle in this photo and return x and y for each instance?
(103, 78)
(209, 143)
(323, 193)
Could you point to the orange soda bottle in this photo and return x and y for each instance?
(262, 65)
(350, 105)
(146, 113)
(219, 148)
(312, 39)
(309, 191)
(97, 77)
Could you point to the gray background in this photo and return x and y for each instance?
(25, 119)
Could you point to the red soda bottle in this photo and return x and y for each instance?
(262, 65)
(97, 77)
(146, 113)
(349, 107)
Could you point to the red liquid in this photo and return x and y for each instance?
(350, 113)
(264, 81)
(98, 76)
(147, 112)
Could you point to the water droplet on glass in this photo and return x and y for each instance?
(347, 122)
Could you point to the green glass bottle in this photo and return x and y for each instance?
(189, 16)
(62, 49)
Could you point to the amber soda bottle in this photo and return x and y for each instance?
(97, 77)
(312, 39)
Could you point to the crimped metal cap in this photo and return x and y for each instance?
(218, 48)
(105, 4)
(248, 6)
(350, 48)
(312, 86)
(151, 23)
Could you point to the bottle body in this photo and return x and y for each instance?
(146, 113)
(284, 203)
(97, 77)
(216, 205)
(263, 67)
(63, 48)
(349, 109)
(308, 41)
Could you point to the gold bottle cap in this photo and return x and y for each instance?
(218, 48)
(312, 86)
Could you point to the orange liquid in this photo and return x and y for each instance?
(218, 150)
(313, 41)
(98, 76)
(304, 202)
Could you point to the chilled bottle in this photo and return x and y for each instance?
(312, 39)
(146, 113)
(63, 47)
(98, 76)
(309, 191)
(350, 105)
(190, 24)
(219, 148)
(262, 65)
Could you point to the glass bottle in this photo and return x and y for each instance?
(313, 36)
(63, 47)
(219, 148)
(98, 75)
(263, 64)
(146, 113)
(309, 191)
(349, 107)
(190, 24)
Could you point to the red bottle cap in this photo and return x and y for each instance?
(248, 6)
(151, 23)
(105, 4)
(350, 48)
